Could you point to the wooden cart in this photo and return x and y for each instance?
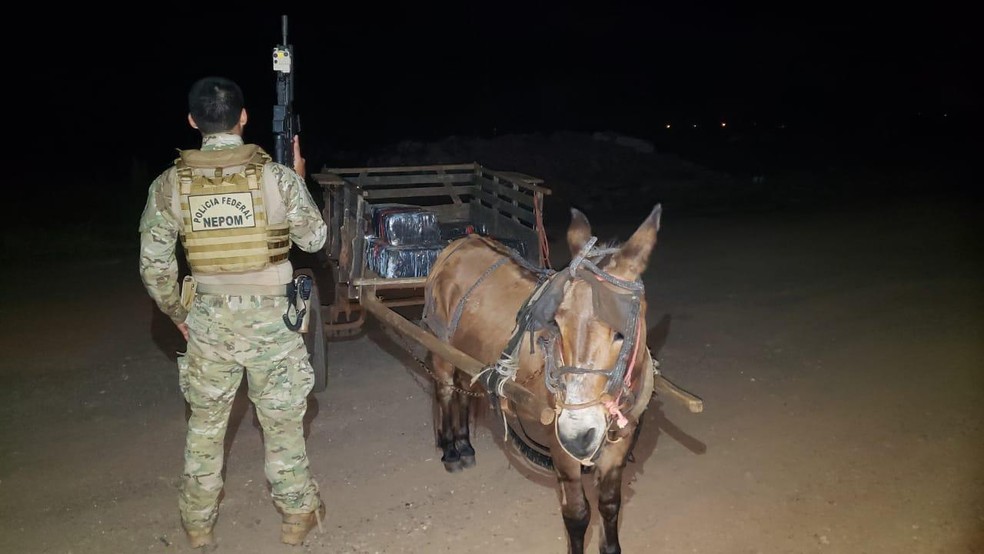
(504, 204)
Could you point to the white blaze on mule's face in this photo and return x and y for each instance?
(587, 344)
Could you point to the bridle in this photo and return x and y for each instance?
(616, 301)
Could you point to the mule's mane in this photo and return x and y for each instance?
(499, 247)
(515, 256)
(611, 245)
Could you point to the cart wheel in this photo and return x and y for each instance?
(314, 339)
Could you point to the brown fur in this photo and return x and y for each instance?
(486, 325)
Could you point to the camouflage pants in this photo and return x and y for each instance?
(228, 334)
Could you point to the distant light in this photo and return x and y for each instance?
(945, 115)
(667, 125)
(723, 124)
(695, 125)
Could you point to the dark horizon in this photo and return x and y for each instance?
(884, 85)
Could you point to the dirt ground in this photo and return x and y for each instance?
(839, 353)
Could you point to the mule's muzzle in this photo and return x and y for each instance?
(581, 432)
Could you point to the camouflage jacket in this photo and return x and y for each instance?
(160, 227)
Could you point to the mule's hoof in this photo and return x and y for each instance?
(452, 461)
(466, 452)
(454, 467)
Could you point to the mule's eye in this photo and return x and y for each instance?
(618, 337)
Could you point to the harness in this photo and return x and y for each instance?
(446, 331)
(617, 302)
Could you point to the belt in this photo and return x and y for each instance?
(243, 290)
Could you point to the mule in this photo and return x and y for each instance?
(575, 338)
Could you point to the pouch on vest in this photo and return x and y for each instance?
(188, 287)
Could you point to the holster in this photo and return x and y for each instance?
(299, 298)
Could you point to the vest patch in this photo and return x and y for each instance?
(231, 210)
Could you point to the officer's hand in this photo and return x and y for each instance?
(183, 327)
(300, 166)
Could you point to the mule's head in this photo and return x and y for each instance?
(600, 332)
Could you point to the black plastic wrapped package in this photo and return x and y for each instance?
(402, 224)
(407, 260)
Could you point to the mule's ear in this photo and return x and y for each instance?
(579, 231)
(633, 257)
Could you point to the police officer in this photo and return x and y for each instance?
(236, 214)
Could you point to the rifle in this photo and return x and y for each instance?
(286, 123)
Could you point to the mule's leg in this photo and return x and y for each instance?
(444, 394)
(609, 504)
(574, 504)
(608, 470)
(462, 433)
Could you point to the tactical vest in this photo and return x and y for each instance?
(225, 227)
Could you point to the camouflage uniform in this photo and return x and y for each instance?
(227, 334)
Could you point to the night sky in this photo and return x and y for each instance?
(370, 75)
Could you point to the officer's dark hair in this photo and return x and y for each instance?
(215, 103)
